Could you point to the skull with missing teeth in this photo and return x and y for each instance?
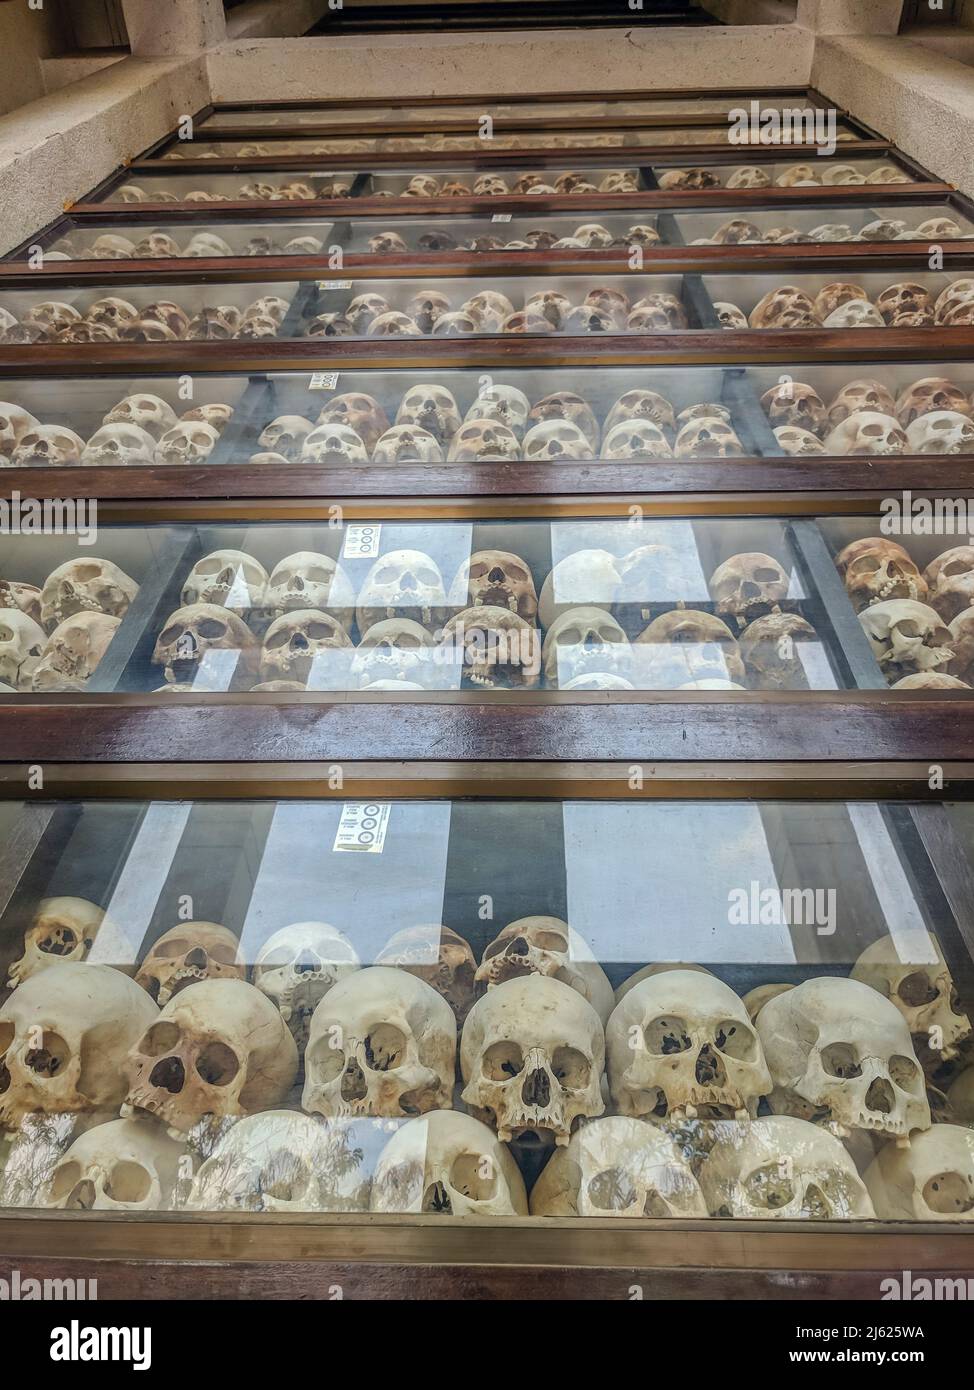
(495, 579)
(680, 1043)
(403, 584)
(186, 954)
(532, 1056)
(914, 976)
(63, 929)
(382, 1042)
(298, 965)
(85, 586)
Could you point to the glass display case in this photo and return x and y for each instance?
(303, 1006)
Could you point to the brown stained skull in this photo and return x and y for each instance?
(567, 405)
(495, 579)
(784, 306)
(479, 441)
(951, 580)
(769, 647)
(795, 403)
(859, 395)
(876, 575)
(641, 404)
(905, 297)
(192, 637)
(186, 954)
(440, 958)
(364, 309)
(708, 438)
(929, 394)
(360, 412)
(497, 649)
(747, 585)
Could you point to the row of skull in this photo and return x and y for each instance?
(844, 304)
(391, 144)
(740, 232)
(141, 429)
(931, 415)
(794, 176)
(160, 245)
(113, 320)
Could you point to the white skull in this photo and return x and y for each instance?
(559, 440)
(394, 325)
(749, 176)
(506, 404)
(112, 248)
(856, 313)
(394, 649)
(680, 1043)
(784, 1169)
(115, 313)
(64, 1034)
(228, 578)
(119, 444)
(840, 1053)
(480, 441)
(906, 637)
(547, 946)
(382, 1042)
(748, 585)
(584, 641)
(798, 442)
(941, 432)
(329, 444)
(149, 412)
(186, 954)
(932, 1180)
(282, 1161)
(402, 584)
(430, 407)
(62, 929)
(488, 309)
(617, 1167)
(309, 646)
(308, 579)
(125, 1165)
(187, 442)
(52, 445)
(708, 438)
(159, 246)
(85, 586)
(408, 444)
(795, 403)
(286, 436)
(15, 422)
(586, 578)
(921, 988)
(631, 439)
(532, 1056)
(641, 404)
(298, 965)
(446, 1164)
(219, 1048)
(73, 651)
(22, 643)
(686, 644)
(729, 315)
(438, 956)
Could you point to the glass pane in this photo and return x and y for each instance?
(481, 1009)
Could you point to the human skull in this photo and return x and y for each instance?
(558, 441)
(156, 246)
(408, 444)
(784, 1169)
(928, 394)
(904, 297)
(112, 248)
(547, 946)
(617, 1166)
(656, 313)
(483, 441)
(922, 989)
(873, 576)
(25, 597)
(769, 647)
(333, 444)
(50, 316)
(286, 436)
(63, 1036)
(532, 1056)
(192, 636)
(527, 321)
(22, 643)
(297, 966)
(586, 578)
(48, 445)
(90, 585)
(387, 244)
(855, 314)
(784, 307)
(495, 579)
(495, 647)
(748, 176)
(640, 404)
(308, 579)
(839, 1053)
(552, 305)
(582, 641)
(708, 438)
(687, 645)
(148, 412)
(382, 1042)
(950, 578)
(932, 1180)
(73, 652)
(187, 443)
(119, 444)
(906, 636)
(507, 405)
(362, 413)
(205, 245)
(302, 645)
(489, 309)
(729, 315)
(396, 649)
(797, 442)
(794, 403)
(393, 325)
(430, 407)
(861, 395)
(186, 954)
(680, 1043)
(124, 1165)
(748, 585)
(364, 309)
(219, 1047)
(14, 424)
(402, 584)
(941, 432)
(62, 929)
(568, 405)
(426, 308)
(438, 956)
(448, 1164)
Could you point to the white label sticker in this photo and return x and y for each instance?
(323, 381)
(501, 217)
(362, 827)
(362, 541)
(334, 284)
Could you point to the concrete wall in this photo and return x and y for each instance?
(26, 37)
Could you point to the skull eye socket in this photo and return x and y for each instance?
(211, 629)
(428, 577)
(217, 1064)
(611, 1190)
(956, 567)
(223, 955)
(905, 1073)
(666, 1035)
(502, 1060)
(319, 632)
(916, 990)
(571, 1067)
(209, 566)
(169, 950)
(550, 941)
(770, 1186)
(169, 635)
(734, 1039)
(65, 1180)
(285, 1177)
(385, 1048)
(474, 1177)
(839, 1059)
(479, 569)
(948, 1193)
(84, 573)
(768, 576)
(50, 1059)
(278, 639)
(128, 1182)
(160, 1039)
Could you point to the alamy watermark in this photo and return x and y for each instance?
(754, 906)
(50, 516)
(787, 125)
(907, 515)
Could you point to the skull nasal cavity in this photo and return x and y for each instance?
(197, 957)
(168, 1075)
(353, 1082)
(496, 575)
(709, 1070)
(537, 1089)
(880, 1096)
